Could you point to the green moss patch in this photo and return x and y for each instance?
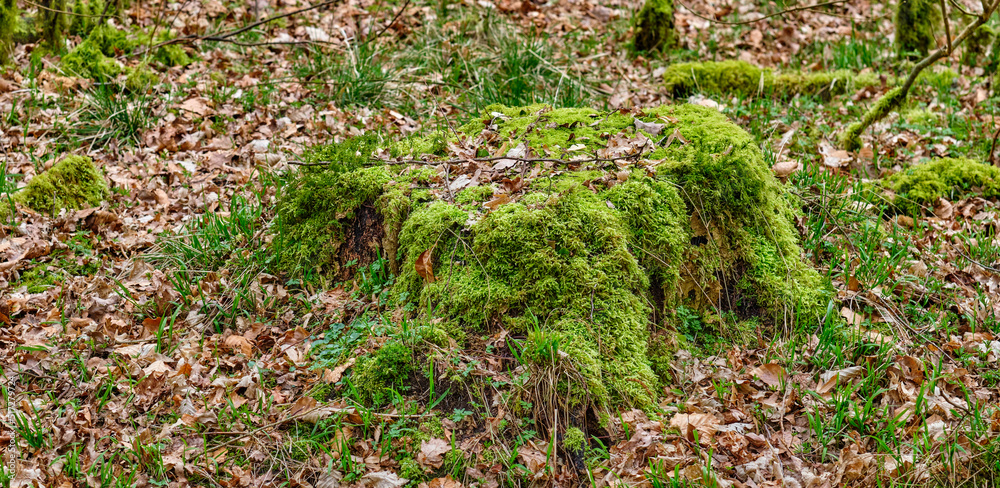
(922, 185)
(94, 57)
(72, 183)
(742, 78)
(585, 259)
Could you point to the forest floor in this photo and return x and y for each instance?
(150, 341)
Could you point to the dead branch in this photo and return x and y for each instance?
(878, 111)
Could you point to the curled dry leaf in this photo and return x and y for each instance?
(424, 267)
(496, 202)
(705, 424)
(771, 374)
(383, 479)
(829, 380)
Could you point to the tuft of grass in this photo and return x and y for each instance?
(113, 113)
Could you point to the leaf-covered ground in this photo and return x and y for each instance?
(152, 341)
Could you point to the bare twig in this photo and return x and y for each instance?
(947, 25)
(776, 14)
(960, 9)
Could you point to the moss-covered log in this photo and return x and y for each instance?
(743, 79)
(590, 257)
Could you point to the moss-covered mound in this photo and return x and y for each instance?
(72, 183)
(743, 78)
(585, 257)
(94, 57)
(921, 186)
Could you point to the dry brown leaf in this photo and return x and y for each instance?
(446, 482)
(239, 343)
(496, 202)
(424, 266)
(771, 374)
(432, 453)
(785, 168)
(383, 479)
(705, 424)
(334, 375)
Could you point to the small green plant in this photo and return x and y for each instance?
(34, 434)
(8, 186)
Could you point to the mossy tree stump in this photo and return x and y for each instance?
(589, 260)
(654, 26)
(916, 22)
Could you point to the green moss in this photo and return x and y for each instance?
(9, 17)
(38, 279)
(654, 26)
(25, 31)
(388, 369)
(922, 185)
(475, 194)
(921, 117)
(72, 183)
(87, 14)
(850, 139)
(410, 469)
(94, 57)
(574, 440)
(582, 267)
(316, 203)
(140, 78)
(54, 23)
(172, 55)
(916, 22)
(742, 78)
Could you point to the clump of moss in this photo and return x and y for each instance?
(583, 267)
(139, 78)
(172, 55)
(743, 78)
(317, 202)
(86, 14)
(921, 117)
(574, 440)
(921, 186)
(916, 22)
(94, 57)
(72, 183)
(654, 26)
(375, 376)
(9, 17)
